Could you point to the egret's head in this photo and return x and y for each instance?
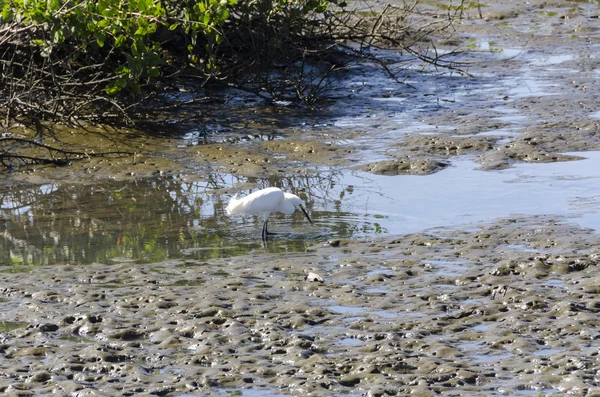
(293, 199)
(233, 206)
(296, 202)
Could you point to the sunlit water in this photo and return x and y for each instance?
(150, 220)
(166, 218)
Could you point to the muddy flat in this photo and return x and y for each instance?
(454, 249)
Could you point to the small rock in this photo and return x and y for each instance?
(311, 277)
(48, 327)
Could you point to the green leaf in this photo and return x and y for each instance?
(101, 7)
(100, 39)
(158, 10)
(114, 87)
(7, 14)
(141, 31)
(120, 41)
(53, 5)
(140, 46)
(132, 63)
(153, 72)
(58, 36)
(123, 70)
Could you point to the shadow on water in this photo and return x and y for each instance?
(151, 220)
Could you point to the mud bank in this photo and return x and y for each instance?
(504, 309)
(508, 307)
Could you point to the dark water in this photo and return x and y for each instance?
(162, 218)
(150, 220)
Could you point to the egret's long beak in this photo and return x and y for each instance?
(305, 213)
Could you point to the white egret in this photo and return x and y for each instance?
(265, 202)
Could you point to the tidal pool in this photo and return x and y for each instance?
(165, 218)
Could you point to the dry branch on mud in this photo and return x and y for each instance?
(19, 155)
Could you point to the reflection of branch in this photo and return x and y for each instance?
(18, 242)
(395, 27)
(315, 186)
(32, 160)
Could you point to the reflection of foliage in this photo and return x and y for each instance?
(8, 326)
(159, 219)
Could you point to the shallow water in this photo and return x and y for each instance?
(237, 392)
(165, 218)
(462, 194)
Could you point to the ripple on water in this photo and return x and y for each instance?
(167, 217)
(377, 290)
(448, 268)
(356, 313)
(351, 342)
(547, 352)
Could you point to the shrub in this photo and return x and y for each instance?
(97, 59)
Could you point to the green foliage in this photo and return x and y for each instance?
(129, 36)
(207, 19)
(94, 26)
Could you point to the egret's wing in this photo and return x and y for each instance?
(265, 200)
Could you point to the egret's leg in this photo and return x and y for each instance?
(265, 231)
(268, 233)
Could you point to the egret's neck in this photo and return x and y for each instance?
(235, 206)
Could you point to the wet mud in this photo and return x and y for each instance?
(508, 307)
(266, 157)
(404, 166)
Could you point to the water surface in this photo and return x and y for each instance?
(171, 217)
